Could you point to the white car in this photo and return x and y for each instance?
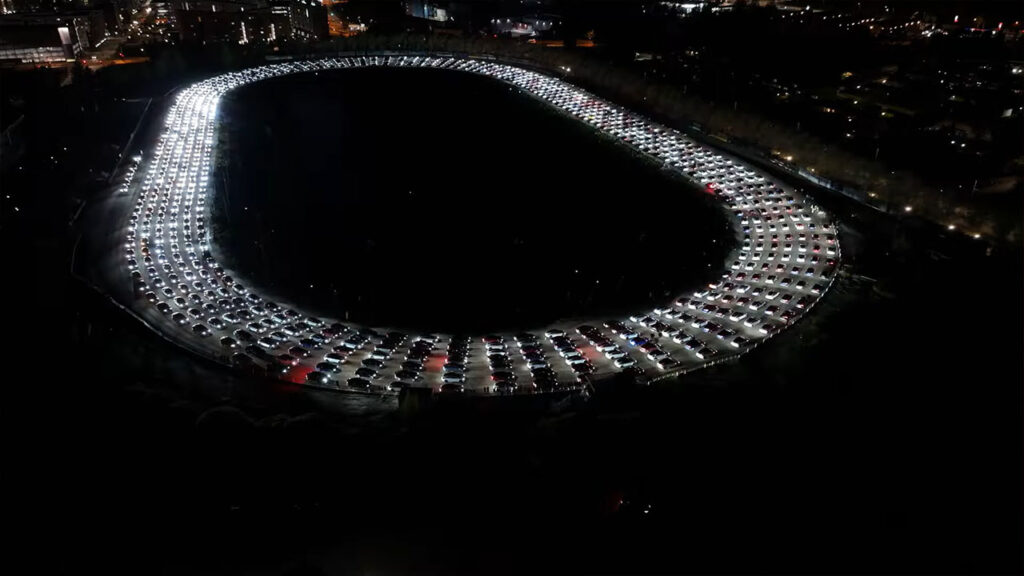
(657, 354)
(453, 378)
(625, 362)
(615, 353)
(573, 359)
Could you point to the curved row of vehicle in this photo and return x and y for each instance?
(786, 259)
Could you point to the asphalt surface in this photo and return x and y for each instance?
(160, 211)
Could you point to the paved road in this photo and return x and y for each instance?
(153, 226)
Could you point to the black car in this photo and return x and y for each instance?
(560, 339)
(276, 369)
(416, 355)
(407, 375)
(545, 382)
(359, 383)
(530, 349)
(421, 346)
(317, 378)
(328, 368)
(615, 326)
(585, 368)
(258, 352)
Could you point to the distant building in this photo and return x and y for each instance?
(428, 10)
(117, 13)
(250, 21)
(530, 26)
(37, 6)
(465, 14)
(43, 6)
(49, 37)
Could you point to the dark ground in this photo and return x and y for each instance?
(882, 434)
(457, 206)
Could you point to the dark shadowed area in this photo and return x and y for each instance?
(444, 201)
(881, 434)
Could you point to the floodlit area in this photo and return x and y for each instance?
(786, 258)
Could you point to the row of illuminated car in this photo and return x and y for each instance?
(786, 259)
(789, 251)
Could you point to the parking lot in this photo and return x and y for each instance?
(786, 257)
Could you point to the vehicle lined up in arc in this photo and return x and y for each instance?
(786, 258)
